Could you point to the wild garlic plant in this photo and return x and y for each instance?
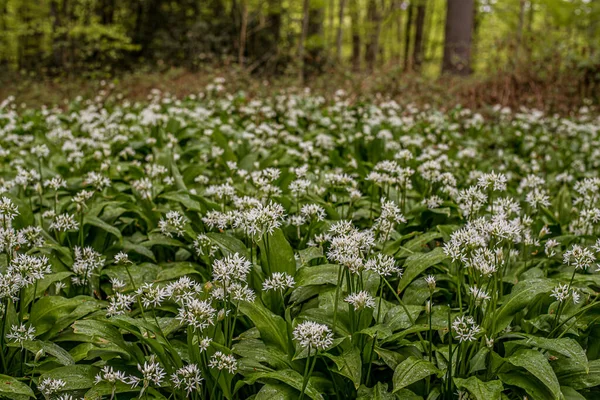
(296, 246)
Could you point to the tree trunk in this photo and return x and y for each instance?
(315, 53)
(338, 40)
(458, 37)
(303, 34)
(243, 31)
(418, 46)
(397, 9)
(355, 21)
(409, 18)
(371, 47)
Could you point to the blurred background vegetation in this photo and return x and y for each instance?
(545, 50)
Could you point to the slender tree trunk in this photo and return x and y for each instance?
(458, 37)
(397, 9)
(355, 21)
(409, 18)
(243, 33)
(418, 46)
(303, 34)
(338, 40)
(56, 53)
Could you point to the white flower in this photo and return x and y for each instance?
(383, 265)
(561, 293)
(119, 304)
(465, 328)
(49, 386)
(361, 300)
(152, 373)
(187, 377)
(313, 335)
(579, 257)
(198, 314)
(21, 333)
(8, 210)
(279, 281)
(151, 295)
(64, 223)
(222, 361)
(479, 295)
(173, 223)
(430, 280)
(231, 268)
(108, 374)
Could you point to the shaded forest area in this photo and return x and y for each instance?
(538, 48)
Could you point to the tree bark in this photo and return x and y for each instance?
(338, 40)
(355, 21)
(458, 37)
(418, 45)
(243, 31)
(303, 34)
(409, 18)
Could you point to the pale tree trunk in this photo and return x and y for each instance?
(458, 37)
(338, 40)
(303, 34)
(418, 46)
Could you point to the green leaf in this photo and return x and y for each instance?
(491, 390)
(412, 370)
(563, 346)
(76, 377)
(521, 296)
(97, 222)
(537, 364)
(276, 391)
(419, 262)
(534, 388)
(228, 244)
(12, 388)
(349, 364)
(34, 346)
(276, 254)
(289, 377)
(48, 310)
(318, 275)
(272, 328)
(43, 285)
(580, 379)
(101, 331)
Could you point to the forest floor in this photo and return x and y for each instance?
(514, 89)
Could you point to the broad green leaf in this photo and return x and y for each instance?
(533, 387)
(412, 370)
(521, 296)
(48, 310)
(228, 244)
(13, 389)
(276, 391)
(276, 254)
(563, 346)
(537, 365)
(34, 346)
(76, 377)
(43, 284)
(97, 222)
(491, 390)
(273, 329)
(289, 377)
(101, 331)
(417, 263)
(318, 275)
(349, 364)
(581, 379)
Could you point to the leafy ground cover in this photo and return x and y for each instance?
(294, 246)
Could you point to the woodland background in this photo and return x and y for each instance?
(543, 53)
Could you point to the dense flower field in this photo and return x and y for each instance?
(297, 247)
